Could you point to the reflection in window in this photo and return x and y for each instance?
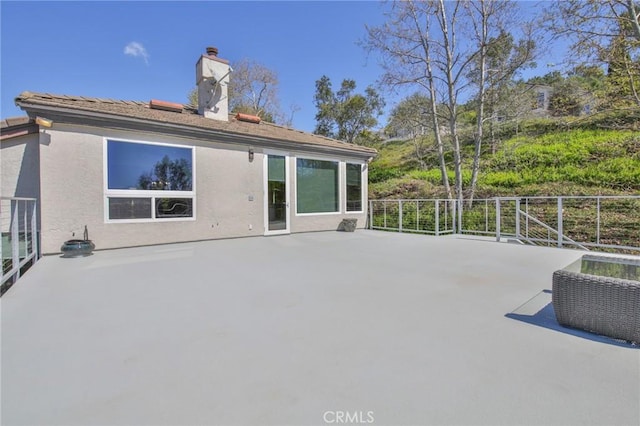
(174, 207)
(148, 181)
(354, 187)
(317, 186)
(149, 167)
(129, 208)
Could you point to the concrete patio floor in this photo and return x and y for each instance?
(392, 329)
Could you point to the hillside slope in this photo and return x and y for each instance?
(541, 160)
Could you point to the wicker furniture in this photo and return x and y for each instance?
(599, 294)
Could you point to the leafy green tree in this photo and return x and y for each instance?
(192, 98)
(591, 77)
(180, 174)
(324, 101)
(345, 115)
(568, 98)
(623, 73)
(549, 79)
(580, 91)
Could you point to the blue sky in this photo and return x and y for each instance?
(86, 48)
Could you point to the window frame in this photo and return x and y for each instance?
(541, 98)
(346, 189)
(144, 193)
(339, 186)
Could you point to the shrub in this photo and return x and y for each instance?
(508, 179)
(378, 174)
(432, 175)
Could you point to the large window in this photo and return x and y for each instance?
(148, 181)
(354, 187)
(317, 186)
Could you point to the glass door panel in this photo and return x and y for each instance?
(277, 194)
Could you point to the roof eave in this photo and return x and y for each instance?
(120, 122)
(20, 129)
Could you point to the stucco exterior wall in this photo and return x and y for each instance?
(73, 193)
(229, 193)
(19, 166)
(325, 221)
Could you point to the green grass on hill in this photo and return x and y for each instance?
(544, 160)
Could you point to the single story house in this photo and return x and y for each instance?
(143, 173)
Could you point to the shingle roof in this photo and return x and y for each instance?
(187, 117)
(16, 126)
(14, 121)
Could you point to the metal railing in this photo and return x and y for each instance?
(19, 232)
(545, 235)
(434, 217)
(607, 223)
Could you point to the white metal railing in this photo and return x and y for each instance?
(532, 238)
(434, 217)
(584, 222)
(19, 232)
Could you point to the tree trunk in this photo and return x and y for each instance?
(448, 43)
(482, 64)
(439, 144)
(494, 143)
(434, 106)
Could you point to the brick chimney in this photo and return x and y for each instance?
(212, 78)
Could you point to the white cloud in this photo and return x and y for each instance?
(136, 50)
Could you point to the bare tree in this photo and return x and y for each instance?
(453, 67)
(404, 42)
(602, 31)
(443, 47)
(498, 59)
(508, 105)
(288, 120)
(253, 89)
(590, 23)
